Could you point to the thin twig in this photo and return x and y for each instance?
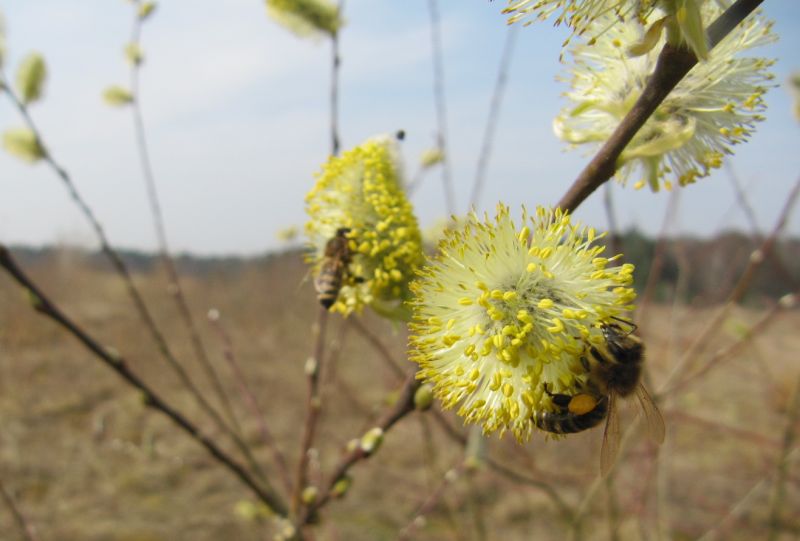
(133, 292)
(718, 531)
(441, 110)
(494, 114)
(756, 259)
(749, 212)
(251, 402)
(26, 531)
(782, 465)
(176, 290)
(336, 62)
(432, 501)
(659, 255)
(611, 218)
(732, 350)
(376, 343)
(401, 408)
(672, 65)
(313, 368)
(43, 305)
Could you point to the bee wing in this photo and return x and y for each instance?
(610, 448)
(653, 418)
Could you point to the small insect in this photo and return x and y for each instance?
(616, 369)
(575, 412)
(334, 268)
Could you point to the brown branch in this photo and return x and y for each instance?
(375, 342)
(43, 305)
(336, 62)
(433, 500)
(403, 406)
(176, 290)
(250, 400)
(121, 269)
(782, 465)
(756, 260)
(731, 351)
(441, 112)
(313, 407)
(494, 113)
(672, 65)
(26, 531)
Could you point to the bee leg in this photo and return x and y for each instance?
(560, 400)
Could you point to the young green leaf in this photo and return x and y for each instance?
(117, 96)
(23, 143)
(31, 76)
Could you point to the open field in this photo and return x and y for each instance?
(86, 460)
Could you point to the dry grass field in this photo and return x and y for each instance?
(86, 460)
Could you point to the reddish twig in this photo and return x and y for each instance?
(494, 114)
(43, 305)
(250, 400)
(756, 260)
(176, 290)
(441, 109)
(313, 406)
(26, 531)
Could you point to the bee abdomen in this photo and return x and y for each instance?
(328, 287)
(566, 422)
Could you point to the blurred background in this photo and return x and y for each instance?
(237, 116)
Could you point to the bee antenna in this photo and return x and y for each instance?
(631, 324)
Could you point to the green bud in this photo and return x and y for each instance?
(146, 9)
(306, 17)
(311, 366)
(117, 96)
(310, 494)
(423, 398)
(31, 76)
(23, 143)
(371, 441)
(134, 54)
(341, 486)
(431, 157)
(33, 299)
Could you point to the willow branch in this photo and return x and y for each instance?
(26, 531)
(441, 109)
(403, 406)
(44, 306)
(756, 260)
(494, 114)
(375, 342)
(672, 65)
(336, 62)
(313, 407)
(782, 466)
(161, 233)
(251, 402)
(133, 292)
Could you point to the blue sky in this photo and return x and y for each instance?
(237, 114)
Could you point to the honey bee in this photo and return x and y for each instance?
(616, 369)
(334, 268)
(575, 413)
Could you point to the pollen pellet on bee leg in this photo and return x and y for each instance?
(581, 404)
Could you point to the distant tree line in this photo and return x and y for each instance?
(696, 271)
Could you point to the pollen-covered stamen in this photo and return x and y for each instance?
(715, 106)
(503, 310)
(362, 191)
